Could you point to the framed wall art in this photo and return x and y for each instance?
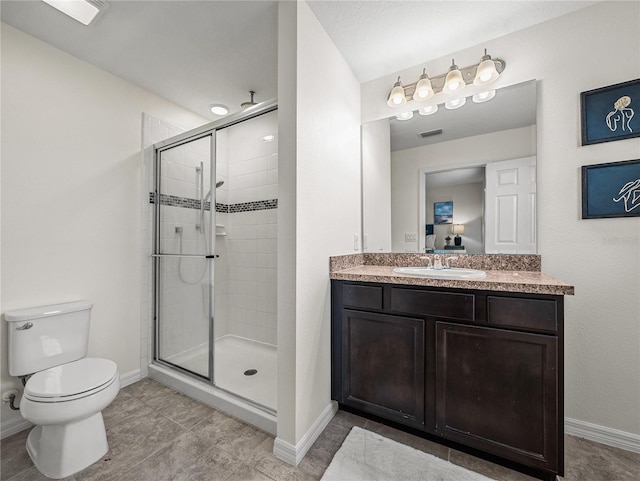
(611, 190)
(611, 113)
(443, 212)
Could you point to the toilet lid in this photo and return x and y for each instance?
(71, 379)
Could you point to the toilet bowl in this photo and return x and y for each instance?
(65, 404)
(65, 392)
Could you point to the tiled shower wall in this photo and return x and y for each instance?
(246, 218)
(251, 243)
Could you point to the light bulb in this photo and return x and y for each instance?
(484, 96)
(454, 81)
(455, 103)
(405, 115)
(423, 91)
(486, 71)
(430, 110)
(396, 96)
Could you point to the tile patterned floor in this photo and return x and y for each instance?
(157, 434)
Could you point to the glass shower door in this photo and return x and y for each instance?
(183, 251)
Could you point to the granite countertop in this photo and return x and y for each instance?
(498, 279)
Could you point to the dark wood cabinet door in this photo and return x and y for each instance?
(496, 390)
(383, 365)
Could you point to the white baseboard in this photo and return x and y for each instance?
(293, 454)
(129, 377)
(602, 434)
(14, 426)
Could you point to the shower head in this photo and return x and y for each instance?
(206, 197)
(251, 103)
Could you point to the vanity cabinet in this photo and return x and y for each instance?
(383, 365)
(479, 368)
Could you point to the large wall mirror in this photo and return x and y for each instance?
(472, 169)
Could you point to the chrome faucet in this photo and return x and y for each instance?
(437, 262)
(446, 262)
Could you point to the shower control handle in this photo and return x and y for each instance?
(25, 326)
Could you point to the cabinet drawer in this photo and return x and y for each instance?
(435, 304)
(364, 297)
(523, 313)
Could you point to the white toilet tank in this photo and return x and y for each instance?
(47, 336)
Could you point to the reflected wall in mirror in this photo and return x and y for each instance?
(407, 166)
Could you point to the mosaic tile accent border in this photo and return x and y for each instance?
(189, 203)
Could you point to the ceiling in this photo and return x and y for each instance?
(195, 53)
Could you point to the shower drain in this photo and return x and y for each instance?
(250, 372)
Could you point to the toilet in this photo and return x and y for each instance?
(65, 391)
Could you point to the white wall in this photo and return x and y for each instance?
(71, 153)
(325, 209)
(328, 201)
(600, 257)
(376, 186)
(467, 152)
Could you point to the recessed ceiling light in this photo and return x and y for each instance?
(268, 138)
(219, 109)
(84, 11)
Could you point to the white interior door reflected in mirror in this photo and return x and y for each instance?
(510, 199)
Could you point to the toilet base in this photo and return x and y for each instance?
(61, 450)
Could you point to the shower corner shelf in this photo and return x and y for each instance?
(220, 230)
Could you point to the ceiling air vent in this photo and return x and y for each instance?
(430, 133)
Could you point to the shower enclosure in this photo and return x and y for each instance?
(215, 226)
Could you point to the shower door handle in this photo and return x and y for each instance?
(213, 256)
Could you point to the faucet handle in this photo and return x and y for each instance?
(430, 265)
(446, 261)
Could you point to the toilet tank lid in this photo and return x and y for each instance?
(46, 311)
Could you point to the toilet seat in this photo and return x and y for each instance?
(71, 381)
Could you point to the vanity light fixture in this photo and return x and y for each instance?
(430, 110)
(482, 73)
(405, 115)
(396, 96)
(486, 71)
(423, 91)
(484, 96)
(219, 109)
(454, 82)
(455, 103)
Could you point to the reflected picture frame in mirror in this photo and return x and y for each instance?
(396, 159)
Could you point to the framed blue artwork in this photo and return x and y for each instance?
(611, 190)
(443, 212)
(611, 113)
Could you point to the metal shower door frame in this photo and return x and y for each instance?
(204, 131)
(209, 256)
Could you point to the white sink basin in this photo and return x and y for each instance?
(453, 273)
